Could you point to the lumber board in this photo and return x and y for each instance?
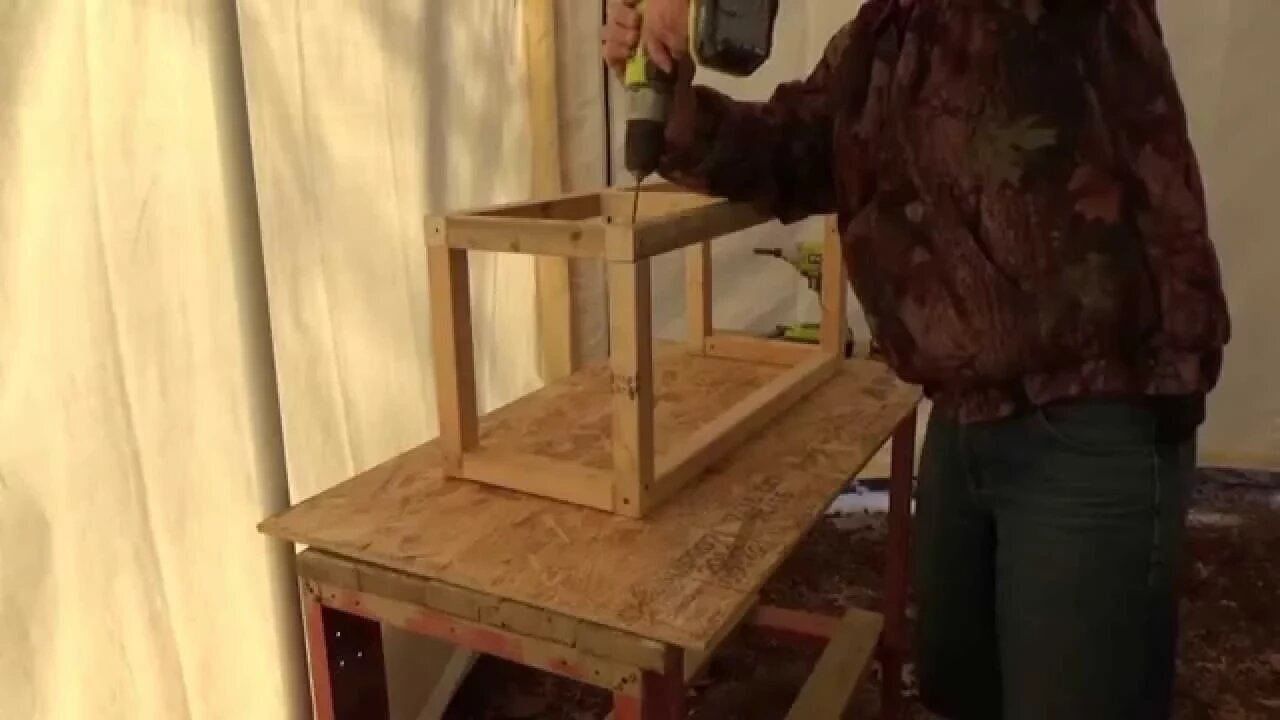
(453, 355)
(698, 295)
(572, 206)
(537, 475)
(683, 574)
(840, 669)
(835, 291)
(623, 207)
(631, 358)
(555, 317)
(552, 657)
(720, 436)
(566, 238)
(661, 235)
(735, 346)
(464, 604)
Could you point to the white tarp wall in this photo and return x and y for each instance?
(1224, 51)
(139, 432)
(140, 436)
(365, 116)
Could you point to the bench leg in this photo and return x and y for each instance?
(348, 678)
(893, 644)
(659, 696)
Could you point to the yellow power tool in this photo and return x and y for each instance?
(806, 258)
(731, 36)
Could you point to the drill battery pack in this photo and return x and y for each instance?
(734, 37)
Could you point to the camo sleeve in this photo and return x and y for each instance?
(778, 155)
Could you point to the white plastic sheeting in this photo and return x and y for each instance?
(365, 116)
(139, 434)
(1223, 52)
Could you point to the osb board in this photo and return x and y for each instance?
(680, 576)
(571, 419)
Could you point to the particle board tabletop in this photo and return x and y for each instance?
(683, 575)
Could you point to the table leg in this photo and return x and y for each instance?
(893, 643)
(659, 696)
(348, 678)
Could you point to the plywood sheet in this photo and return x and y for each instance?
(679, 576)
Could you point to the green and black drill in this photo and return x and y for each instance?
(731, 36)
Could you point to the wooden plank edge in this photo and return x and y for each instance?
(555, 318)
(840, 669)
(795, 622)
(697, 660)
(571, 206)
(552, 657)
(622, 207)
(453, 357)
(665, 234)
(541, 476)
(835, 290)
(719, 437)
(631, 385)
(561, 238)
(732, 346)
(591, 638)
(698, 295)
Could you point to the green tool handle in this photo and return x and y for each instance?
(640, 72)
(637, 71)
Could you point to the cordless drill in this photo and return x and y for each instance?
(806, 258)
(731, 36)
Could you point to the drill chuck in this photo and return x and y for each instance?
(646, 130)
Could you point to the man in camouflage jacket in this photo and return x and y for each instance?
(1025, 226)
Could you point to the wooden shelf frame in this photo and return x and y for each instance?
(600, 225)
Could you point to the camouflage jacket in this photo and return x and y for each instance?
(1021, 207)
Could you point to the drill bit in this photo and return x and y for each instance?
(635, 205)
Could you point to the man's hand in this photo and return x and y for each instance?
(621, 34)
(664, 31)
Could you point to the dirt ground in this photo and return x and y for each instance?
(1229, 668)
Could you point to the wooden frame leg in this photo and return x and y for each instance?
(454, 357)
(835, 291)
(893, 644)
(348, 677)
(659, 696)
(697, 296)
(631, 358)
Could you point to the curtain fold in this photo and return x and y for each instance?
(364, 117)
(139, 432)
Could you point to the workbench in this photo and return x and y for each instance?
(634, 606)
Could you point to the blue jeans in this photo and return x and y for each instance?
(1048, 545)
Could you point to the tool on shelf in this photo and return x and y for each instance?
(806, 258)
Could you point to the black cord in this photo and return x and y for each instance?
(608, 105)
